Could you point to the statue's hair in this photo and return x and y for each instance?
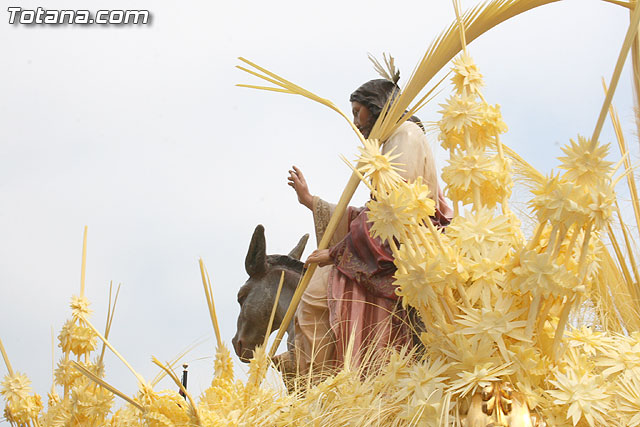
(374, 94)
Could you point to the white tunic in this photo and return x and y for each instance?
(416, 158)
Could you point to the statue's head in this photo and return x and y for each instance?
(368, 101)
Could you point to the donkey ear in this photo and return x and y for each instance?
(297, 251)
(256, 260)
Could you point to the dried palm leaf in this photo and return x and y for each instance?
(174, 362)
(102, 383)
(174, 377)
(615, 295)
(108, 344)
(622, 144)
(624, 50)
(273, 310)
(84, 262)
(627, 4)
(111, 309)
(285, 86)
(206, 282)
(389, 70)
(6, 358)
(476, 22)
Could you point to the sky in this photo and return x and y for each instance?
(139, 133)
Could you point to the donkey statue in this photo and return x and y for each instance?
(257, 296)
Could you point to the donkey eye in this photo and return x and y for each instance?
(242, 295)
(243, 292)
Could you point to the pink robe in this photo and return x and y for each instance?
(363, 305)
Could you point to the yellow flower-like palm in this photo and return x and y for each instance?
(15, 387)
(558, 201)
(22, 408)
(484, 241)
(223, 365)
(584, 166)
(628, 398)
(588, 341)
(460, 113)
(497, 322)
(600, 203)
(625, 356)
(165, 409)
(467, 79)
(491, 123)
(582, 396)
(67, 375)
(466, 171)
(421, 206)
(25, 412)
(378, 167)
(90, 403)
(538, 274)
(391, 213)
(481, 375)
(478, 228)
(421, 282)
(79, 308)
(79, 340)
(423, 388)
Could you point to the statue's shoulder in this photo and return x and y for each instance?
(407, 133)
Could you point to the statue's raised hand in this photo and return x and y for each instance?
(299, 184)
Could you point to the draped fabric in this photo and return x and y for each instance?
(314, 342)
(365, 260)
(363, 306)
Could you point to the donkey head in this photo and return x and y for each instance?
(257, 296)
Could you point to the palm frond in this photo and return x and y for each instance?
(118, 355)
(617, 71)
(6, 358)
(523, 171)
(102, 383)
(84, 261)
(622, 144)
(445, 47)
(614, 295)
(174, 361)
(206, 283)
(389, 70)
(285, 86)
(111, 309)
(174, 377)
(627, 4)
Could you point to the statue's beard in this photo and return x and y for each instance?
(365, 130)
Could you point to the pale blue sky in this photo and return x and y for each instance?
(140, 133)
